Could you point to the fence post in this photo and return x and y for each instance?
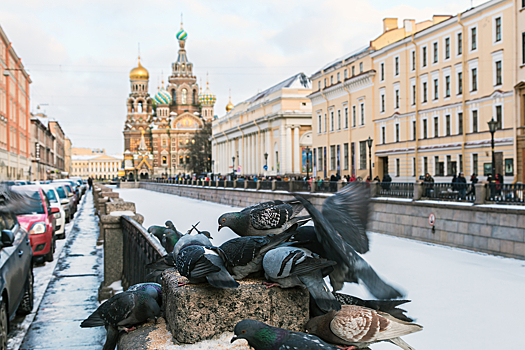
(339, 184)
(245, 184)
(290, 186)
(313, 186)
(274, 185)
(481, 193)
(418, 190)
(258, 185)
(113, 243)
(374, 189)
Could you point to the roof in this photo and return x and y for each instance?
(298, 81)
(344, 58)
(96, 156)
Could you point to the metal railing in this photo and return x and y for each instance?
(282, 186)
(301, 186)
(251, 185)
(448, 191)
(326, 186)
(506, 193)
(265, 185)
(396, 189)
(140, 249)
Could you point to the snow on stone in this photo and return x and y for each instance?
(464, 300)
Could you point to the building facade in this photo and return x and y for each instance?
(430, 89)
(158, 131)
(95, 163)
(272, 129)
(15, 160)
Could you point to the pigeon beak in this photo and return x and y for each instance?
(233, 339)
(220, 226)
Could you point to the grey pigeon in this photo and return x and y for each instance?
(244, 255)
(290, 267)
(123, 310)
(200, 264)
(169, 239)
(153, 289)
(350, 267)
(267, 218)
(360, 326)
(387, 306)
(261, 336)
(190, 239)
(160, 231)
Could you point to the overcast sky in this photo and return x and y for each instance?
(79, 53)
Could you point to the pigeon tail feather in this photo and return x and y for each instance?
(379, 288)
(222, 280)
(111, 338)
(94, 320)
(320, 292)
(401, 343)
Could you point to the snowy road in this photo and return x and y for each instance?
(465, 300)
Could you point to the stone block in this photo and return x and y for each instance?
(407, 231)
(510, 220)
(494, 244)
(474, 229)
(196, 312)
(519, 249)
(485, 231)
(507, 247)
(451, 226)
(480, 242)
(521, 221)
(458, 239)
(462, 227)
(468, 240)
(493, 218)
(480, 217)
(120, 206)
(508, 233)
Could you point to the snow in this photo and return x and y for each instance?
(123, 212)
(464, 299)
(116, 286)
(393, 199)
(465, 204)
(503, 206)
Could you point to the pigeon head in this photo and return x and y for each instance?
(154, 290)
(170, 225)
(259, 335)
(207, 234)
(235, 221)
(316, 325)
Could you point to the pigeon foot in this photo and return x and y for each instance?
(181, 284)
(351, 347)
(127, 330)
(270, 285)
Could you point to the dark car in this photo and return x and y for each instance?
(16, 272)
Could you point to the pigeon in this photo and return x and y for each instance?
(159, 231)
(244, 255)
(124, 310)
(267, 218)
(199, 264)
(261, 336)
(388, 306)
(169, 240)
(350, 267)
(153, 289)
(189, 239)
(13, 199)
(290, 267)
(360, 326)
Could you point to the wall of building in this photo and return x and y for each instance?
(497, 231)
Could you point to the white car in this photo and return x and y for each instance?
(60, 217)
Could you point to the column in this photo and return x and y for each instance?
(258, 168)
(296, 151)
(288, 150)
(282, 147)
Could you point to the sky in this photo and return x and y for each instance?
(79, 53)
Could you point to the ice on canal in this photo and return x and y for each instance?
(464, 300)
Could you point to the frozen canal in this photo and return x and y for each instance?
(464, 300)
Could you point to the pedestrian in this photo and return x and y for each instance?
(461, 185)
(90, 182)
(454, 183)
(386, 182)
(428, 181)
(474, 180)
(333, 183)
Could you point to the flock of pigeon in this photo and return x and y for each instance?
(274, 243)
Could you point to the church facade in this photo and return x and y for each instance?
(159, 130)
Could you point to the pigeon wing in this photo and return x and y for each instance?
(270, 217)
(303, 341)
(118, 308)
(191, 263)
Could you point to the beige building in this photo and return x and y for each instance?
(67, 155)
(424, 92)
(519, 89)
(271, 128)
(96, 165)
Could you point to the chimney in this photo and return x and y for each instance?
(389, 24)
(409, 25)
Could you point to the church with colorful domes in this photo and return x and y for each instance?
(159, 130)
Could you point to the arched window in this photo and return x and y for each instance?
(164, 160)
(181, 160)
(173, 96)
(140, 107)
(195, 99)
(184, 97)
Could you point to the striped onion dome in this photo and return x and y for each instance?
(162, 97)
(181, 35)
(207, 98)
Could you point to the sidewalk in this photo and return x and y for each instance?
(71, 296)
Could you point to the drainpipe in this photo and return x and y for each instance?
(416, 63)
(259, 145)
(517, 99)
(243, 151)
(463, 91)
(327, 132)
(349, 128)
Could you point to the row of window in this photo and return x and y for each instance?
(337, 123)
(338, 76)
(320, 157)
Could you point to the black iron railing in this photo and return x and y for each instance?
(282, 185)
(251, 184)
(396, 189)
(448, 191)
(301, 186)
(265, 185)
(326, 186)
(506, 193)
(140, 249)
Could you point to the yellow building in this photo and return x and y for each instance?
(94, 163)
(424, 92)
(272, 128)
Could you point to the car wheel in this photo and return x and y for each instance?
(4, 325)
(26, 306)
(49, 256)
(62, 235)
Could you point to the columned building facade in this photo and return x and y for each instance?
(269, 130)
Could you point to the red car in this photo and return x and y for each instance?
(37, 218)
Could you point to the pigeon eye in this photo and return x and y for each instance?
(223, 220)
(243, 331)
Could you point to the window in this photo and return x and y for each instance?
(435, 52)
(460, 163)
(499, 119)
(325, 123)
(460, 43)
(425, 165)
(460, 83)
(424, 58)
(523, 47)
(346, 117)
(447, 86)
(320, 158)
(319, 124)
(397, 98)
(436, 127)
(338, 77)
(498, 29)
(447, 125)
(447, 48)
(361, 67)
(338, 119)
(382, 103)
(436, 89)
(474, 121)
(474, 79)
(184, 96)
(362, 154)
(332, 121)
(439, 168)
(346, 73)
(460, 123)
(332, 157)
(324, 82)
(451, 167)
(382, 71)
(414, 133)
(319, 85)
(413, 95)
(498, 73)
(397, 132)
(475, 163)
(383, 135)
(331, 80)
(397, 167)
(164, 160)
(353, 70)
(345, 156)
(413, 60)
(424, 128)
(473, 38)
(396, 66)
(413, 166)
(362, 114)
(424, 92)
(354, 116)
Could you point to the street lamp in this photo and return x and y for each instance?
(492, 128)
(233, 167)
(307, 163)
(369, 143)
(213, 169)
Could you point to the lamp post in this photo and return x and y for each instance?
(307, 163)
(233, 167)
(265, 163)
(213, 169)
(369, 143)
(492, 128)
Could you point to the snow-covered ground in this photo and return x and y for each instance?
(465, 300)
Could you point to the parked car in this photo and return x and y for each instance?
(81, 183)
(37, 218)
(65, 200)
(60, 216)
(73, 188)
(16, 273)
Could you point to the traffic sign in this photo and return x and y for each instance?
(431, 219)
(265, 167)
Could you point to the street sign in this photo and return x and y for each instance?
(265, 167)
(431, 219)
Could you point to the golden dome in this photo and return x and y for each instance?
(139, 72)
(230, 105)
